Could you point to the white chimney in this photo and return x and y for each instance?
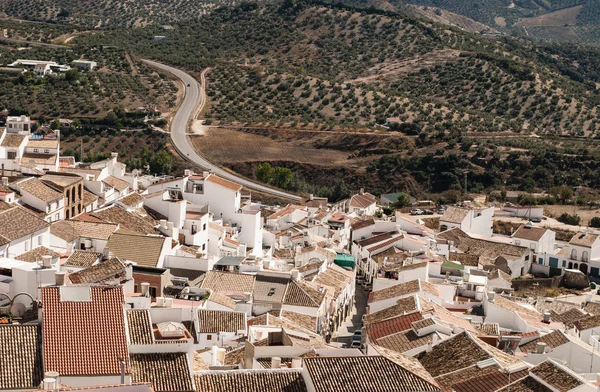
(295, 274)
(114, 154)
(540, 347)
(469, 319)
(60, 278)
(429, 347)
(4, 180)
(434, 339)
(47, 261)
(145, 287)
(129, 271)
(160, 302)
(170, 226)
(168, 302)
(546, 317)
(491, 296)
(296, 363)
(163, 223)
(49, 384)
(55, 376)
(187, 172)
(218, 356)
(275, 363)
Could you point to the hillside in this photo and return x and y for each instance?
(310, 76)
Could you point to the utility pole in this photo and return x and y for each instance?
(466, 181)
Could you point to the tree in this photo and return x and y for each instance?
(562, 193)
(282, 177)
(265, 173)
(55, 124)
(72, 75)
(402, 201)
(569, 219)
(160, 163)
(595, 222)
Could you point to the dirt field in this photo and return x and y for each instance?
(228, 146)
(585, 213)
(556, 18)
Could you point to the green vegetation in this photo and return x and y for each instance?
(595, 222)
(280, 177)
(568, 219)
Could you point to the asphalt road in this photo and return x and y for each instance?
(193, 101)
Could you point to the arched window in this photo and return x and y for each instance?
(574, 254)
(584, 256)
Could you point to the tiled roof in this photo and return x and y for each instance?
(302, 294)
(303, 320)
(530, 233)
(363, 373)
(376, 239)
(384, 244)
(88, 198)
(21, 353)
(465, 259)
(12, 140)
(553, 339)
(91, 331)
(410, 287)
(310, 266)
(101, 272)
(403, 305)
(69, 230)
(583, 239)
(479, 247)
(286, 211)
(555, 376)
(569, 317)
(116, 183)
(228, 281)
(82, 258)
(17, 222)
(488, 382)
(527, 384)
(490, 329)
(132, 200)
(126, 220)
(36, 254)
(32, 159)
(167, 372)
(531, 316)
(453, 354)
(363, 223)
(392, 326)
(213, 321)
(362, 201)
(140, 328)
(221, 299)
(223, 182)
(269, 288)
(43, 143)
(404, 341)
(449, 379)
(251, 381)
(141, 249)
(454, 215)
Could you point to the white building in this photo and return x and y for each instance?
(471, 221)
(18, 124)
(41, 197)
(538, 239)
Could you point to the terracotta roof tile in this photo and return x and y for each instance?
(491, 381)
(228, 281)
(213, 321)
(300, 293)
(364, 373)
(21, 353)
(404, 341)
(305, 321)
(250, 380)
(221, 299)
(453, 354)
(88, 198)
(454, 215)
(82, 258)
(390, 326)
(369, 221)
(527, 384)
(142, 249)
(132, 200)
(126, 220)
(12, 140)
(403, 305)
(269, 288)
(167, 372)
(411, 287)
(105, 272)
(117, 183)
(92, 331)
(584, 239)
(70, 230)
(362, 201)
(140, 328)
(552, 340)
(18, 222)
(530, 233)
(223, 182)
(36, 254)
(42, 143)
(556, 376)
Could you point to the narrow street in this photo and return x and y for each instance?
(343, 336)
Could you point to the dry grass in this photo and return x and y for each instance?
(584, 212)
(557, 18)
(225, 146)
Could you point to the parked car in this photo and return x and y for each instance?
(360, 279)
(416, 212)
(367, 286)
(355, 344)
(357, 335)
(427, 212)
(535, 220)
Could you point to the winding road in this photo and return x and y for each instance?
(193, 101)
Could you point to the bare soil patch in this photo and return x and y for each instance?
(567, 16)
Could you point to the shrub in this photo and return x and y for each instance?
(568, 219)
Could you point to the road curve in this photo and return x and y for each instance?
(193, 100)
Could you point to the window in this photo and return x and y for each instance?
(47, 151)
(517, 242)
(204, 227)
(527, 258)
(40, 240)
(36, 150)
(152, 292)
(574, 254)
(194, 229)
(564, 263)
(584, 256)
(12, 154)
(136, 288)
(203, 246)
(27, 246)
(532, 245)
(540, 261)
(208, 337)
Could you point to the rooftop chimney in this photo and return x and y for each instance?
(53, 375)
(60, 278)
(114, 154)
(275, 363)
(49, 384)
(547, 317)
(47, 261)
(168, 302)
(540, 347)
(491, 296)
(187, 172)
(296, 363)
(145, 287)
(4, 180)
(361, 191)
